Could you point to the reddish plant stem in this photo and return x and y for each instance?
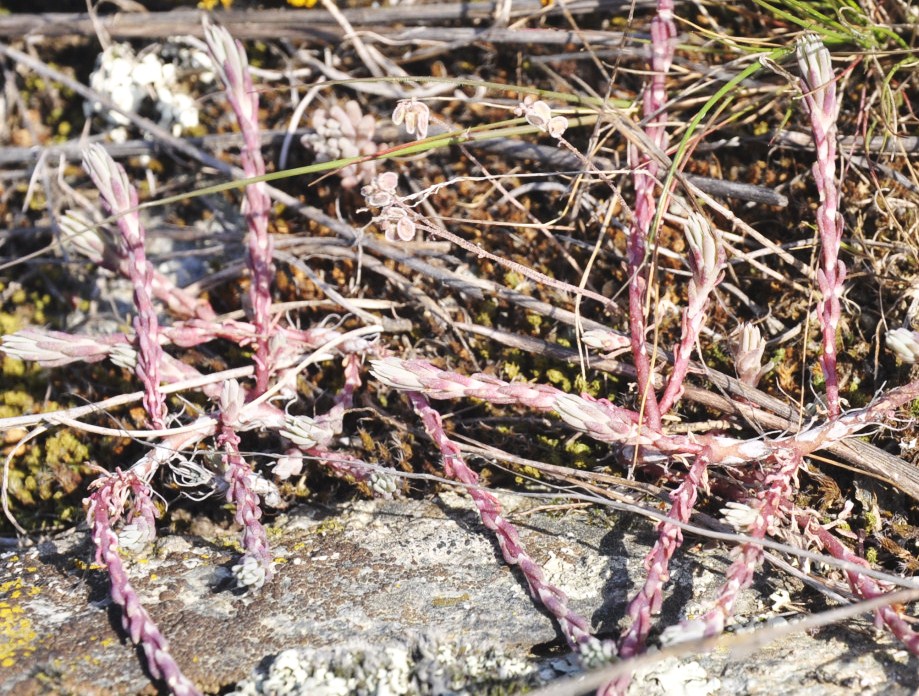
(104, 508)
(233, 69)
(575, 628)
(248, 511)
(120, 197)
(647, 602)
(819, 85)
(862, 585)
(644, 173)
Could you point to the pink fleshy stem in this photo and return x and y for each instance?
(647, 602)
(606, 422)
(255, 568)
(706, 259)
(781, 484)
(575, 628)
(863, 585)
(104, 506)
(645, 170)
(819, 86)
(120, 197)
(229, 57)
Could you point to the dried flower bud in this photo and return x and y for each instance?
(232, 401)
(904, 344)
(392, 373)
(123, 355)
(739, 515)
(416, 116)
(232, 66)
(110, 178)
(602, 339)
(86, 239)
(539, 115)
(54, 348)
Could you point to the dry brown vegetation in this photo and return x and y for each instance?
(751, 150)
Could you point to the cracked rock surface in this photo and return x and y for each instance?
(394, 597)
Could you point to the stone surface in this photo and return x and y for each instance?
(406, 585)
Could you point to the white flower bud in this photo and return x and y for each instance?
(904, 344)
(304, 432)
(391, 372)
(739, 515)
(250, 573)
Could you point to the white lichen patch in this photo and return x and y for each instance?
(675, 678)
(426, 666)
(150, 79)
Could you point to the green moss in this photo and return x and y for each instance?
(559, 379)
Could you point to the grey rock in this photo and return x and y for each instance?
(392, 597)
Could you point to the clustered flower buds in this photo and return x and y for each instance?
(415, 114)
(539, 114)
(340, 133)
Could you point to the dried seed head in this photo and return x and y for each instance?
(416, 116)
(397, 225)
(381, 192)
(539, 114)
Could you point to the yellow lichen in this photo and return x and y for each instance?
(17, 637)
